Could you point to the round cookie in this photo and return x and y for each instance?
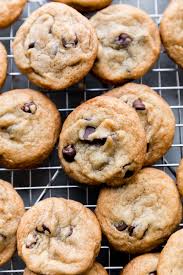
(55, 47)
(142, 265)
(141, 214)
(170, 260)
(129, 43)
(29, 128)
(86, 5)
(11, 211)
(171, 31)
(3, 64)
(58, 236)
(97, 269)
(10, 11)
(179, 175)
(102, 141)
(155, 114)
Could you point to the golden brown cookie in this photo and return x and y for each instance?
(102, 141)
(179, 174)
(142, 265)
(170, 260)
(11, 211)
(10, 11)
(29, 128)
(171, 31)
(55, 47)
(141, 214)
(129, 43)
(3, 64)
(154, 113)
(59, 236)
(86, 5)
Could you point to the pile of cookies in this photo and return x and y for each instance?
(110, 139)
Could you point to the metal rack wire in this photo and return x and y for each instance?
(49, 179)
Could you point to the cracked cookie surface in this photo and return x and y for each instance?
(58, 236)
(11, 211)
(170, 260)
(86, 5)
(55, 47)
(102, 141)
(129, 43)
(3, 64)
(10, 11)
(171, 31)
(141, 214)
(29, 128)
(142, 265)
(155, 114)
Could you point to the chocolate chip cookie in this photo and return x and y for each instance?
(179, 174)
(141, 214)
(170, 260)
(58, 236)
(155, 114)
(29, 128)
(97, 269)
(11, 211)
(129, 43)
(142, 265)
(3, 64)
(171, 31)
(102, 141)
(10, 11)
(55, 47)
(86, 5)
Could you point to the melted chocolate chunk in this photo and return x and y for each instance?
(96, 142)
(153, 273)
(121, 226)
(29, 107)
(43, 229)
(131, 229)
(128, 174)
(88, 131)
(124, 40)
(139, 105)
(70, 44)
(31, 45)
(69, 153)
(31, 243)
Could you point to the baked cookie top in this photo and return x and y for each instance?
(141, 214)
(170, 260)
(58, 236)
(29, 128)
(171, 31)
(155, 114)
(86, 5)
(3, 63)
(129, 43)
(142, 265)
(102, 141)
(11, 211)
(10, 10)
(55, 47)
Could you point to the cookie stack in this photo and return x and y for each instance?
(109, 140)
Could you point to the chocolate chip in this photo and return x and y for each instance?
(131, 229)
(70, 44)
(32, 241)
(31, 45)
(153, 273)
(69, 153)
(88, 131)
(139, 105)
(43, 229)
(124, 40)
(29, 107)
(121, 226)
(96, 142)
(128, 174)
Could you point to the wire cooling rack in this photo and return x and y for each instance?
(49, 179)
